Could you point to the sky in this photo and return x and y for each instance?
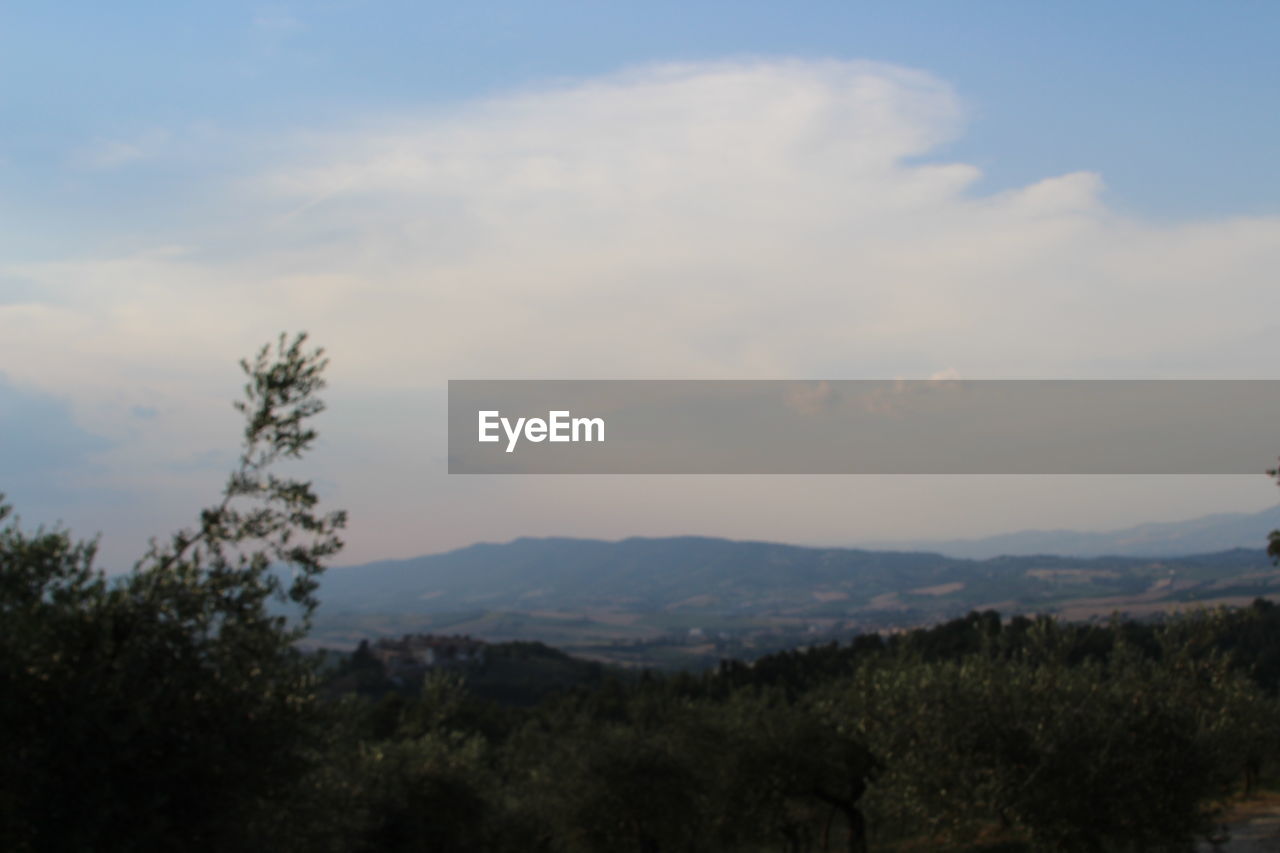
(588, 190)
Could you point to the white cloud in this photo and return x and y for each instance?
(754, 219)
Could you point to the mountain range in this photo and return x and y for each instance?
(1204, 535)
(598, 596)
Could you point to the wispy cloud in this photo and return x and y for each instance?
(106, 154)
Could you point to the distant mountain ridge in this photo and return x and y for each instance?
(637, 572)
(1204, 535)
(753, 579)
(677, 600)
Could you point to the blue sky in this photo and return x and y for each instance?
(1174, 102)
(179, 181)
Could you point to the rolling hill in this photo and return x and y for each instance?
(704, 593)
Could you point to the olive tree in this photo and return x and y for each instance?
(170, 708)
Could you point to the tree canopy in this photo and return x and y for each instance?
(170, 708)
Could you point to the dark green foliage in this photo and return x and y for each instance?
(789, 775)
(170, 709)
(1068, 737)
(658, 772)
(525, 673)
(422, 794)
(1074, 757)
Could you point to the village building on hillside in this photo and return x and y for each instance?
(410, 657)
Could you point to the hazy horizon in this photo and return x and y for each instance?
(908, 543)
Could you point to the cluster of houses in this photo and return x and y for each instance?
(411, 656)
